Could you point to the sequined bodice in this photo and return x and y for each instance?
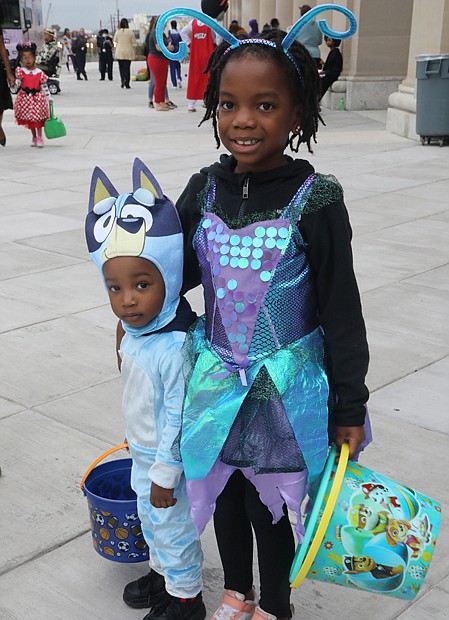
(258, 289)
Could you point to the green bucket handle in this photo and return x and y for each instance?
(307, 550)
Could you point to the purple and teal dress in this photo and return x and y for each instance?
(257, 397)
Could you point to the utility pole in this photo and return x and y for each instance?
(118, 14)
(48, 15)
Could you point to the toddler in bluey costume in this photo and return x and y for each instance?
(136, 241)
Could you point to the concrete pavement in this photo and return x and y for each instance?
(59, 386)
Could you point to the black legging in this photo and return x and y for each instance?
(238, 508)
(124, 66)
(81, 65)
(105, 64)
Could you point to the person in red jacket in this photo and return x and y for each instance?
(201, 41)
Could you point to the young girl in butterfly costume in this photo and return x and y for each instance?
(279, 359)
(136, 241)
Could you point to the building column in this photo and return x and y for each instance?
(284, 13)
(250, 10)
(429, 35)
(375, 58)
(267, 12)
(234, 12)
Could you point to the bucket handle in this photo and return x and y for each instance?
(99, 459)
(326, 517)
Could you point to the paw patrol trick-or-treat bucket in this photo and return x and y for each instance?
(367, 531)
(116, 529)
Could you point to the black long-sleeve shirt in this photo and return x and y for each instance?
(327, 235)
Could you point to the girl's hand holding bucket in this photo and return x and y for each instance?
(354, 436)
(366, 530)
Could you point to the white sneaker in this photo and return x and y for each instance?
(260, 614)
(234, 607)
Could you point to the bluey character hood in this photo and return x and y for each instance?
(142, 223)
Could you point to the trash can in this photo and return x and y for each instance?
(432, 97)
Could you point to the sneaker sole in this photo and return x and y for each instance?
(198, 614)
(145, 603)
(138, 603)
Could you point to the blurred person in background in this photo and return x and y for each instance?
(7, 80)
(311, 37)
(67, 48)
(47, 58)
(125, 42)
(105, 46)
(79, 47)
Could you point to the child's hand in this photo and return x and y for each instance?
(352, 435)
(160, 497)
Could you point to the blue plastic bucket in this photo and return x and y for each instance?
(367, 531)
(115, 525)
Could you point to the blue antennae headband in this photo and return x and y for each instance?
(234, 42)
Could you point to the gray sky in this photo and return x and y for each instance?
(75, 14)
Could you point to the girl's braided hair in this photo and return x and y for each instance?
(305, 88)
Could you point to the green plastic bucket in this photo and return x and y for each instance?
(367, 531)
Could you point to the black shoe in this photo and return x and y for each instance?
(172, 608)
(144, 591)
(78, 77)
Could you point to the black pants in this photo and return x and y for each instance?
(81, 66)
(124, 67)
(326, 82)
(105, 65)
(238, 510)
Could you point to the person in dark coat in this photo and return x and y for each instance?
(79, 47)
(333, 65)
(105, 57)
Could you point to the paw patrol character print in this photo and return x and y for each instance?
(380, 494)
(402, 531)
(365, 518)
(365, 564)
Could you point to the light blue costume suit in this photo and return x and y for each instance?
(145, 224)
